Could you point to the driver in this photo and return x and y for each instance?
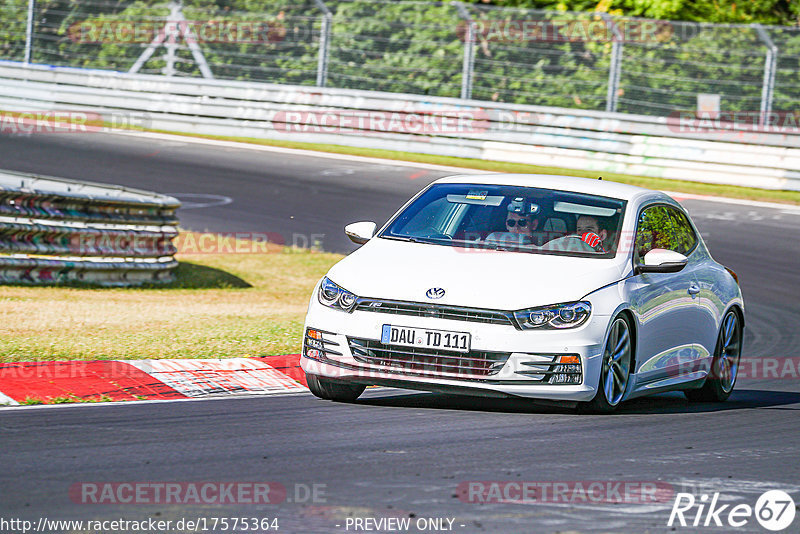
(592, 233)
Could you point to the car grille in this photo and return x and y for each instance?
(455, 313)
(418, 361)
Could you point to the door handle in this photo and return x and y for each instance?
(694, 289)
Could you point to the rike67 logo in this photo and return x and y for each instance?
(774, 510)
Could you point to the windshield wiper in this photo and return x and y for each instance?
(401, 238)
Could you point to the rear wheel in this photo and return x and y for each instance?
(334, 390)
(616, 370)
(724, 365)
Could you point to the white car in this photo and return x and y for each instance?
(582, 291)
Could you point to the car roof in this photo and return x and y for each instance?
(552, 181)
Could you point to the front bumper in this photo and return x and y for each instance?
(513, 378)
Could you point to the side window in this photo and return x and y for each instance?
(654, 230)
(685, 238)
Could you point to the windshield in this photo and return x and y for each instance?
(519, 219)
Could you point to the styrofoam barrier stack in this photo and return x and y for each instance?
(55, 231)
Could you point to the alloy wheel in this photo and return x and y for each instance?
(617, 362)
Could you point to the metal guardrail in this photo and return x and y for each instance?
(54, 231)
(558, 137)
(588, 60)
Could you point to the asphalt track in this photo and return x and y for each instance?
(397, 453)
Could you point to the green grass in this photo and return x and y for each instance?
(66, 399)
(662, 184)
(220, 306)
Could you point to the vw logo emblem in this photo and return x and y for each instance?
(435, 293)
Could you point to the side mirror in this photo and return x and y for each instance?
(660, 260)
(360, 232)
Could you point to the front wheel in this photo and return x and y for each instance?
(724, 365)
(616, 370)
(334, 390)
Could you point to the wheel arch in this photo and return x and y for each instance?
(627, 313)
(736, 308)
(623, 310)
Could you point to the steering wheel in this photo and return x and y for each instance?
(588, 238)
(560, 244)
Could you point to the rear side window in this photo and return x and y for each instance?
(664, 227)
(654, 230)
(684, 236)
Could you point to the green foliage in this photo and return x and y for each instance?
(511, 66)
(658, 228)
(405, 47)
(418, 47)
(787, 78)
(668, 75)
(13, 13)
(779, 12)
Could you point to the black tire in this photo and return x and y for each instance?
(617, 359)
(725, 364)
(328, 389)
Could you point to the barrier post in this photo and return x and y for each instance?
(770, 63)
(612, 96)
(29, 32)
(324, 43)
(468, 64)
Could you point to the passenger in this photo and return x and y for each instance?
(520, 224)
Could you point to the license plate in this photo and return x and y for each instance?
(424, 338)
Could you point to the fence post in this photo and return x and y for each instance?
(770, 66)
(612, 96)
(324, 43)
(29, 31)
(468, 65)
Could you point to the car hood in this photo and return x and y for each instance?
(478, 278)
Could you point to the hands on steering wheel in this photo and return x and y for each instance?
(593, 240)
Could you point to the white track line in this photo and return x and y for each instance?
(788, 208)
(299, 152)
(211, 376)
(151, 401)
(5, 399)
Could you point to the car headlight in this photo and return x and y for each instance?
(567, 315)
(334, 296)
